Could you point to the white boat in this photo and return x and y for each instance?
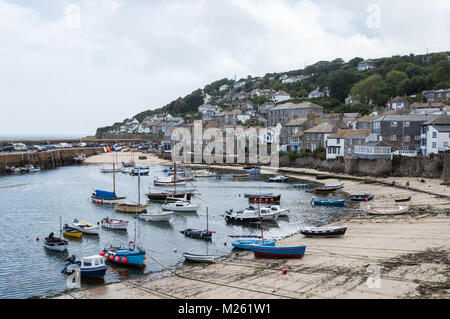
(250, 215)
(205, 173)
(55, 243)
(180, 206)
(284, 212)
(169, 181)
(161, 217)
(387, 210)
(79, 158)
(127, 170)
(85, 227)
(113, 169)
(137, 170)
(199, 258)
(334, 186)
(114, 223)
(90, 266)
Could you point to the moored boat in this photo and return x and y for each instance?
(130, 208)
(253, 171)
(246, 195)
(277, 179)
(169, 195)
(265, 199)
(90, 266)
(250, 215)
(161, 217)
(199, 258)
(402, 199)
(198, 233)
(205, 173)
(325, 190)
(85, 227)
(334, 186)
(241, 175)
(278, 252)
(329, 202)
(131, 256)
(114, 223)
(361, 198)
(105, 197)
(71, 231)
(332, 231)
(55, 243)
(180, 206)
(387, 210)
(301, 185)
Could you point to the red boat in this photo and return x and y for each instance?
(265, 198)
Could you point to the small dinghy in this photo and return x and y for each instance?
(130, 208)
(71, 231)
(324, 231)
(161, 217)
(402, 199)
(387, 210)
(55, 243)
(301, 186)
(199, 258)
(90, 267)
(180, 206)
(247, 243)
(135, 171)
(334, 186)
(205, 174)
(170, 181)
(85, 227)
(361, 198)
(278, 252)
(253, 171)
(277, 179)
(329, 202)
(240, 175)
(114, 223)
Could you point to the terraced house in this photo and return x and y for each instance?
(283, 113)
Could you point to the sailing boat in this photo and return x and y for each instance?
(55, 243)
(171, 180)
(199, 233)
(106, 197)
(133, 208)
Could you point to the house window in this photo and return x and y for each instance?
(445, 144)
(407, 124)
(434, 145)
(394, 124)
(406, 138)
(394, 138)
(376, 125)
(338, 141)
(434, 134)
(417, 137)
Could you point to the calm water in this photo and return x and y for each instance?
(32, 203)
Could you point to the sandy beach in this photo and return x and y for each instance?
(409, 252)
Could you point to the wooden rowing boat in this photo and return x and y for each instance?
(402, 199)
(387, 210)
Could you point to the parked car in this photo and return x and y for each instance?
(81, 144)
(7, 148)
(63, 145)
(19, 147)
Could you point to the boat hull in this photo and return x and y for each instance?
(265, 199)
(129, 208)
(361, 198)
(163, 217)
(338, 203)
(133, 258)
(302, 186)
(387, 210)
(197, 233)
(246, 243)
(115, 225)
(108, 201)
(198, 258)
(324, 232)
(278, 252)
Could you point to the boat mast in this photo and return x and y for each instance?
(114, 175)
(260, 221)
(175, 176)
(139, 186)
(60, 226)
(206, 219)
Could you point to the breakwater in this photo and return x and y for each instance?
(45, 160)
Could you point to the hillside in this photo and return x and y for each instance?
(394, 76)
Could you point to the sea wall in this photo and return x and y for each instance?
(45, 160)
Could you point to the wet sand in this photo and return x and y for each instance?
(411, 252)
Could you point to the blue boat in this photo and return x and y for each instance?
(302, 186)
(361, 198)
(246, 243)
(123, 256)
(198, 233)
(278, 179)
(329, 202)
(278, 252)
(105, 197)
(253, 171)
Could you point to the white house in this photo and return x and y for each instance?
(366, 65)
(280, 96)
(239, 84)
(436, 135)
(397, 103)
(223, 87)
(318, 93)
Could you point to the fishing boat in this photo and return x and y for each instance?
(200, 233)
(329, 202)
(127, 170)
(332, 231)
(169, 181)
(283, 212)
(246, 195)
(85, 227)
(55, 243)
(130, 256)
(387, 210)
(180, 206)
(133, 208)
(402, 199)
(90, 266)
(301, 185)
(265, 199)
(199, 258)
(361, 198)
(277, 179)
(278, 252)
(247, 243)
(169, 195)
(80, 158)
(250, 215)
(135, 171)
(117, 224)
(334, 186)
(71, 231)
(31, 168)
(161, 217)
(205, 173)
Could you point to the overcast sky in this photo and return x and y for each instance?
(68, 67)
